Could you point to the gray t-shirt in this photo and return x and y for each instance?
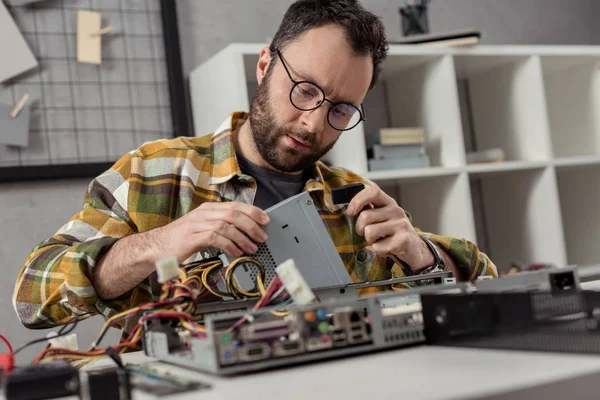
(272, 187)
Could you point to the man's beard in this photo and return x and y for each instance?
(267, 135)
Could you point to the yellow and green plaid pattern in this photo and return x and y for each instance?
(160, 182)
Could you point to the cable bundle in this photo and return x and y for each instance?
(178, 303)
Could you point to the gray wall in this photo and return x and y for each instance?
(30, 212)
(500, 21)
(595, 27)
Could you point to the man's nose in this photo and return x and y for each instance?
(315, 120)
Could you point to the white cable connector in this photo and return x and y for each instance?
(295, 283)
(167, 269)
(63, 342)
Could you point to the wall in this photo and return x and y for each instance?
(500, 21)
(595, 27)
(30, 212)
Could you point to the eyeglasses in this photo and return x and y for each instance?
(307, 96)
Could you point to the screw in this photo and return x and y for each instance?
(441, 316)
(72, 384)
(308, 203)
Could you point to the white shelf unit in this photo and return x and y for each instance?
(579, 191)
(540, 104)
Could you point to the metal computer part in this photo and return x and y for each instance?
(548, 280)
(296, 231)
(330, 329)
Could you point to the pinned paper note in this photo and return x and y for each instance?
(14, 131)
(15, 55)
(89, 41)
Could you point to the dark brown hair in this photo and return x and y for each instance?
(364, 30)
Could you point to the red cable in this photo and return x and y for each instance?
(7, 361)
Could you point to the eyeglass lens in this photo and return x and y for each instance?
(306, 96)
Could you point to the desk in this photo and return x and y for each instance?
(423, 372)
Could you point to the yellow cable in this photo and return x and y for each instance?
(261, 286)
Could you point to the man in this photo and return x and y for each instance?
(179, 196)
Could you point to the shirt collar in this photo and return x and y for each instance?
(224, 164)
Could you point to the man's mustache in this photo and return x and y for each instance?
(304, 136)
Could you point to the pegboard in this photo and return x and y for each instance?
(84, 116)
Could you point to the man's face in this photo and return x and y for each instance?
(291, 140)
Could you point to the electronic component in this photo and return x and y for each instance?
(295, 283)
(316, 331)
(167, 269)
(160, 381)
(65, 342)
(563, 321)
(112, 383)
(43, 381)
(296, 232)
(548, 280)
(345, 194)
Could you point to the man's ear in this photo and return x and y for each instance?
(264, 60)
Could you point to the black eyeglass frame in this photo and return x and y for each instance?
(360, 110)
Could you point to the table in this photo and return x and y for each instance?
(423, 372)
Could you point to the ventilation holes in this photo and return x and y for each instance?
(263, 255)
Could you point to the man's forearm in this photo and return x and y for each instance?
(129, 261)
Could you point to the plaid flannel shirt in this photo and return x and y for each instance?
(160, 182)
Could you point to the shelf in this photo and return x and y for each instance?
(572, 85)
(504, 167)
(579, 195)
(588, 273)
(506, 104)
(437, 204)
(539, 104)
(425, 95)
(520, 217)
(576, 162)
(408, 175)
(474, 170)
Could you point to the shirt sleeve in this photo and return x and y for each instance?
(55, 285)
(465, 254)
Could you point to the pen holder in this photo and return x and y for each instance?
(413, 20)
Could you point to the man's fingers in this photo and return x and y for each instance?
(379, 231)
(232, 233)
(214, 239)
(240, 220)
(251, 211)
(371, 195)
(384, 246)
(370, 216)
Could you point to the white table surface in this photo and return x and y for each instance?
(423, 372)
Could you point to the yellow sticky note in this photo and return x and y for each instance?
(89, 43)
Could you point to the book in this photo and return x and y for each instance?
(398, 151)
(467, 41)
(485, 156)
(457, 38)
(399, 163)
(395, 136)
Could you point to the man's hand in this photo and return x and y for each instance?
(387, 229)
(220, 225)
